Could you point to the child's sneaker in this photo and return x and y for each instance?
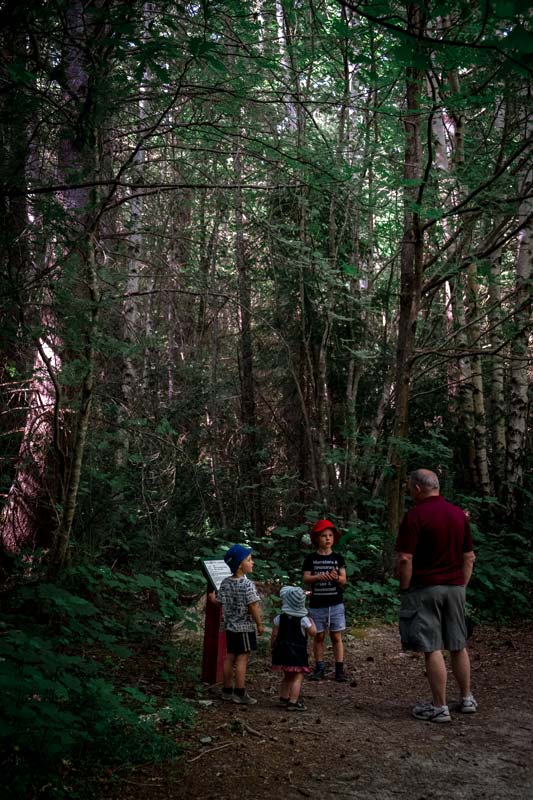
(318, 673)
(244, 700)
(430, 713)
(341, 676)
(468, 705)
(227, 697)
(299, 705)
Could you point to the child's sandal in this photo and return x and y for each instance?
(299, 705)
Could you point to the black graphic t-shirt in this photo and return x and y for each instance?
(324, 593)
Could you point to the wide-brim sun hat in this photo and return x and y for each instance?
(323, 525)
(293, 601)
(236, 555)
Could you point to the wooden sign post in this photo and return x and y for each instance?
(214, 651)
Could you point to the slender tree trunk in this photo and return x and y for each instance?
(248, 406)
(59, 554)
(465, 383)
(411, 270)
(465, 398)
(207, 260)
(131, 312)
(497, 383)
(284, 39)
(149, 369)
(303, 367)
(478, 393)
(323, 414)
(518, 401)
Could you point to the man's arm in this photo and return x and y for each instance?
(468, 566)
(404, 569)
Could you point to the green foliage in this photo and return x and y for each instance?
(68, 697)
(164, 480)
(502, 583)
(430, 448)
(372, 600)
(280, 555)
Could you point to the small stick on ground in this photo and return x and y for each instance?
(205, 752)
(251, 730)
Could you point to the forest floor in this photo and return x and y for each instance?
(357, 740)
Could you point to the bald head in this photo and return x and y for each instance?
(423, 483)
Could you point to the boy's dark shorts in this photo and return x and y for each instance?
(239, 643)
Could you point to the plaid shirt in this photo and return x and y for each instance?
(236, 594)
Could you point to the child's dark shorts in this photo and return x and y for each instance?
(241, 642)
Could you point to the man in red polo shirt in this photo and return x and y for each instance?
(434, 563)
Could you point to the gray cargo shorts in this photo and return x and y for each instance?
(433, 618)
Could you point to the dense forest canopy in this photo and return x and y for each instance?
(258, 260)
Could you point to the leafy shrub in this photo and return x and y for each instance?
(67, 693)
(502, 583)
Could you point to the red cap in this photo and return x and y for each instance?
(324, 525)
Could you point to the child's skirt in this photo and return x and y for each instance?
(281, 668)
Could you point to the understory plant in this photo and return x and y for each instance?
(77, 659)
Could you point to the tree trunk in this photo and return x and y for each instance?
(36, 501)
(21, 514)
(28, 516)
(478, 393)
(77, 156)
(518, 401)
(497, 383)
(252, 474)
(59, 554)
(411, 271)
(464, 399)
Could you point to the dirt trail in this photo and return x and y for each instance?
(359, 741)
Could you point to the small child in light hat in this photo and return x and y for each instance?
(289, 645)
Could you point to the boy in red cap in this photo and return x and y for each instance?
(325, 572)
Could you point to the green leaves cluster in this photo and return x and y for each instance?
(502, 583)
(67, 695)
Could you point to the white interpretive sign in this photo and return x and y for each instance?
(215, 572)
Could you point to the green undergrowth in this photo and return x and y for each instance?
(501, 589)
(99, 671)
(88, 678)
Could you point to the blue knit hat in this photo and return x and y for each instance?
(293, 601)
(236, 555)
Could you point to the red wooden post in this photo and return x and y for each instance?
(214, 651)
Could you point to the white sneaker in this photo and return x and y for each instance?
(245, 700)
(430, 713)
(468, 705)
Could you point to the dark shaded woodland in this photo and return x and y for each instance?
(258, 260)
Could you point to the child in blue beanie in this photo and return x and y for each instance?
(289, 645)
(240, 618)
